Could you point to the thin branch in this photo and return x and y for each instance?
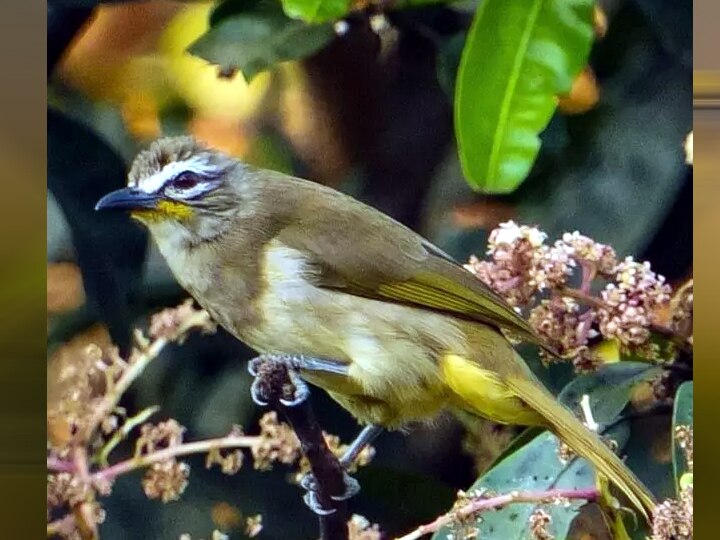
(197, 447)
(276, 386)
(135, 369)
(60, 465)
(123, 432)
(582, 296)
(492, 503)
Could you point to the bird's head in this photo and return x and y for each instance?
(180, 188)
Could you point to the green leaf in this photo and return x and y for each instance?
(257, 37)
(535, 467)
(316, 11)
(609, 388)
(682, 416)
(519, 55)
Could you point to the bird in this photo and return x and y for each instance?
(393, 328)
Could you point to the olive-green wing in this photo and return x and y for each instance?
(361, 251)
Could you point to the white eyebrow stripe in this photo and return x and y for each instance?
(154, 183)
(199, 188)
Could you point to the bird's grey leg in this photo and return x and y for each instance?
(352, 487)
(294, 363)
(364, 438)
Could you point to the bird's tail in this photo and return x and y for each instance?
(584, 442)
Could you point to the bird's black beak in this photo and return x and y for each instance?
(127, 199)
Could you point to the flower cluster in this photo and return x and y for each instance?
(166, 480)
(673, 519)
(540, 522)
(631, 304)
(359, 528)
(85, 424)
(277, 443)
(558, 285)
(521, 264)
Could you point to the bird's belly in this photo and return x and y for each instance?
(391, 351)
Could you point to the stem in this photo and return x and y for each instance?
(582, 296)
(479, 505)
(60, 465)
(197, 447)
(123, 432)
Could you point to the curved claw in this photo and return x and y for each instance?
(308, 482)
(255, 393)
(253, 363)
(301, 391)
(311, 501)
(352, 488)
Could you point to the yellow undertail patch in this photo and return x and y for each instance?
(482, 392)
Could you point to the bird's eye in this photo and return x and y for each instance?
(185, 181)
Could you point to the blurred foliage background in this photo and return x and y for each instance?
(367, 109)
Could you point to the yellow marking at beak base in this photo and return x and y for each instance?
(163, 210)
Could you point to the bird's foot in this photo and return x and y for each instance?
(310, 484)
(261, 368)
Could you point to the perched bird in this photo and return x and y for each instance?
(392, 327)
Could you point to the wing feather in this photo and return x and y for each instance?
(359, 250)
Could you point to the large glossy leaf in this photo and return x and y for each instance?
(682, 416)
(519, 56)
(535, 467)
(254, 36)
(609, 388)
(316, 11)
(622, 167)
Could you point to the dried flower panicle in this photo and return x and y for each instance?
(565, 454)
(277, 443)
(78, 389)
(85, 424)
(158, 436)
(253, 525)
(172, 323)
(539, 522)
(359, 528)
(673, 520)
(230, 461)
(166, 480)
(66, 489)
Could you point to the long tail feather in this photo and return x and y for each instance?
(582, 441)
